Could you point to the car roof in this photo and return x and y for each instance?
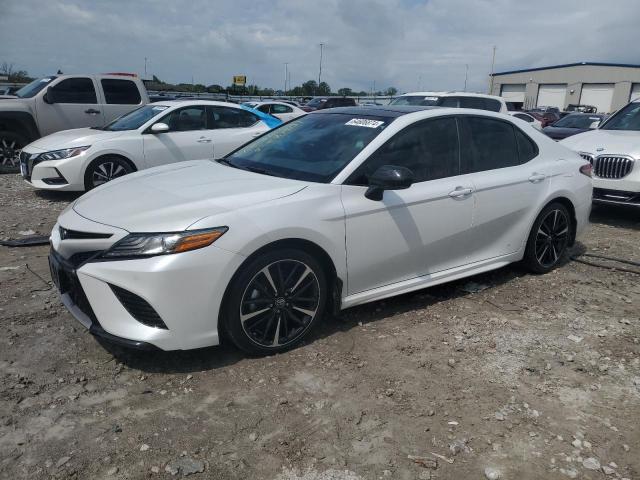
(450, 94)
(376, 111)
(187, 103)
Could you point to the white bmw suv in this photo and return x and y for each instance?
(334, 209)
(614, 151)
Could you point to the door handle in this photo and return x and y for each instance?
(92, 111)
(537, 177)
(461, 192)
(204, 140)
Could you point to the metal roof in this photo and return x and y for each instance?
(551, 67)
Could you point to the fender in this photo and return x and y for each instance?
(19, 122)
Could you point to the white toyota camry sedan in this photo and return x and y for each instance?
(155, 134)
(333, 209)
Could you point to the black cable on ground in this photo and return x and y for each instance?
(608, 267)
(613, 259)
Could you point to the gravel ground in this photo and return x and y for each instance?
(504, 375)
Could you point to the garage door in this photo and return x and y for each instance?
(599, 95)
(552, 95)
(513, 93)
(635, 91)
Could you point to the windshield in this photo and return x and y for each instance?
(34, 87)
(420, 100)
(627, 118)
(313, 148)
(136, 118)
(577, 121)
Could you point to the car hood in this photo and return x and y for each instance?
(598, 142)
(173, 197)
(78, 137)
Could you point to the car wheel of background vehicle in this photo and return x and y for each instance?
(11, 144)
(105, 169)
(274, 301)
(549, 238)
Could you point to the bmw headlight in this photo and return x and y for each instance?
(150, 244)
(62, 154)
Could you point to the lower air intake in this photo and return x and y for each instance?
(138, 308)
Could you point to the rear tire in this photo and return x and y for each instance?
(274, 301)
(11, 144)
(548, 239)
(104, 169)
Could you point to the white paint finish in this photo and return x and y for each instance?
(412, 239)
(552, 95)
(513, 93)
(600, 95)
(409, 233)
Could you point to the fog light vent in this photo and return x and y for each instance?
(138, 308)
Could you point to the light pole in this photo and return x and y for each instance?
(320, 70)
(145, 67)
(466, 75)
(286, 73)
(493, 62)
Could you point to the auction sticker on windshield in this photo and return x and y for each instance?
(364, 122)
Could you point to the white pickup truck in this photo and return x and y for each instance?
(61, 102)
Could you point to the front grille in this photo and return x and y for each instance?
(66, 234)
(587, 157)
(24, 160)
(77, 259)
(69, 284)
(609, 166)
(138, 308)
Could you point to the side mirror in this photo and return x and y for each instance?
(594, 125)
(159, 128)
(388, 177)
(49, 96)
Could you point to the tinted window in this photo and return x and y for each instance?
(186, 119)
(75, 90)
(314, 147)
(277, 108)
(577, 120)
(489, 144)
(264, 108)
(527, 149)
(121, 92)
(452, 102)
(429, 149)
(421, 100)
(228, 117)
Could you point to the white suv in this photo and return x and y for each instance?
(453, 99)
(614, 151)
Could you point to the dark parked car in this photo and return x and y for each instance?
(320, 103)
(572, 124)
(581, 108)
(545, 117)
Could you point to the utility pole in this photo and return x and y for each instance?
(286, 75)
(466, 75)
(320, 70)
(145, 67)
(418, 88)
(493, 62)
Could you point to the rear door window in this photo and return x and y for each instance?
(227, 117)
(488, 144)
(121, 92)
(277, 108)
(75, 90)
(187, 119)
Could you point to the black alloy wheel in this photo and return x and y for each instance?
(281, 296)
(549, 239)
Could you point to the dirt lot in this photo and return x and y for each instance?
(532, 377)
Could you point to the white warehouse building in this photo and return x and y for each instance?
(606, 86)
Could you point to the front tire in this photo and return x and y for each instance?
(549, 239)
(275, 301)
(11, 144)
(105, 169)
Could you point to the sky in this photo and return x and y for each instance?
(408, 44)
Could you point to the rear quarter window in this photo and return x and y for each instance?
(121, 92)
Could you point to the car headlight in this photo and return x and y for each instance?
(150, 244)
(62, 154)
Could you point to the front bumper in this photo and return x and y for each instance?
(616, 197)
(186, 290)
(63, 175)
